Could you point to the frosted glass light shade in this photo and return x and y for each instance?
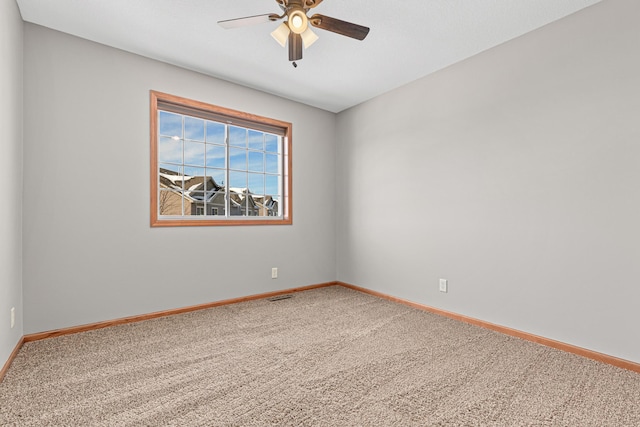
(308, 38)
(281, 34)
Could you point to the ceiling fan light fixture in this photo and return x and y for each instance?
(296, 32)
(308, 38)
(281, 34)
(298, 21)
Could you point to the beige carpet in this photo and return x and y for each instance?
(326, 357)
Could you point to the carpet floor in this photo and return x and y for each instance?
(326, 357)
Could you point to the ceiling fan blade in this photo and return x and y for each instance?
(295, 46)
(341, 27)
(310, 4)
(249, 20)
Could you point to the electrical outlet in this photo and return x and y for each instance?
(274, 273)
(443, 285)
(13, 317)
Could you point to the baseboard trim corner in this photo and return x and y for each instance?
(138, 318)
(569, 348)
(12, 356)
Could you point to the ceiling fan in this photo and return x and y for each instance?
(296, 30)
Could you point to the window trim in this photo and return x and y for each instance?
(163, 101)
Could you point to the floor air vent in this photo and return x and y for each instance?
(280, 297)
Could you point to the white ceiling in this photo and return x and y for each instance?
(408, 39)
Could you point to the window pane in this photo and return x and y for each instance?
(194, 179)
(238, 136)
(194, 153)
(193, 194)
(256, 161)
(191, 207)
(170, 202)
(197, 198)
(263, 210)
(276, 203)
(256, 140)
(193, 128)
(247, 206)
(272, 187)
(237, 180)
(272, 163)
(217, 175)
(215, 156)
(267, 206)
(238, 201)
(207, 184)
(170, 124)
(215, 133)
(215, 204)
(170, 176)
(170, 150)
(237, 159)
(271, 142)
(256, 183)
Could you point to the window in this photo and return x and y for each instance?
(215, 166)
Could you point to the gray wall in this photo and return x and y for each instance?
(516, 176)
(89, 253)
(10, 176)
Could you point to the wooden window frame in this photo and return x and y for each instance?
(167, 102)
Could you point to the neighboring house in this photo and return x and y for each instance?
(202, 192)
(170, 195)
(242, 200)
(267, 205)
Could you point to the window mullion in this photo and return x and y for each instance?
(227, 195)
(246, 179)
(205, 191)
(183, 167)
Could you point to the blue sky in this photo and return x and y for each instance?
(200, 151)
